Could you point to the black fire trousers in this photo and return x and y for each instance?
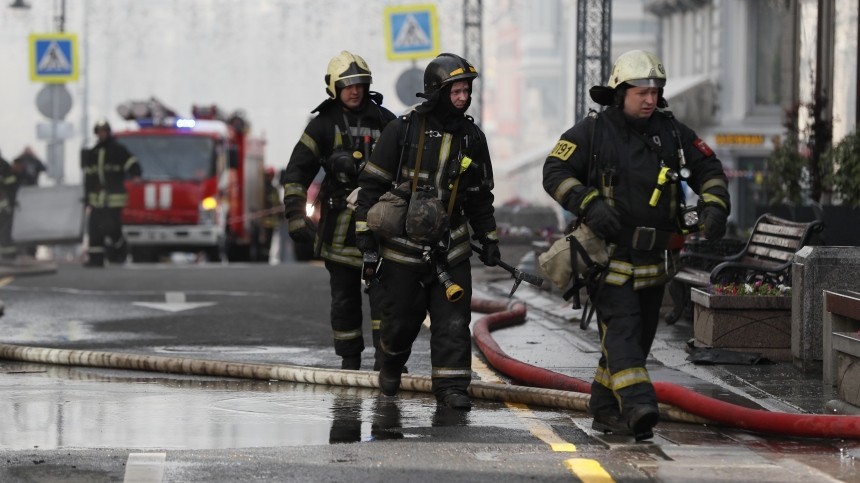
(409, 295)
(346, 315)
(627, 325)
(106, 223)
(8, 251)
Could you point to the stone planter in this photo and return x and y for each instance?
(746, 323)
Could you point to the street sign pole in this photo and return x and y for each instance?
(54, 102)
(54, 60)
(56, 159)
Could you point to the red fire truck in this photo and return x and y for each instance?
(202, 185)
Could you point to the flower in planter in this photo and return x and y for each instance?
(754, 289)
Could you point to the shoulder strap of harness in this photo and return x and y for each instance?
(404, 145)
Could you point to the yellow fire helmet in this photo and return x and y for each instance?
(346, 69)
(637, 68)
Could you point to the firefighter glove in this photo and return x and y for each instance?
(714, 220)
(490, 254)
(602, 219)
(366, 242)
(302, 229)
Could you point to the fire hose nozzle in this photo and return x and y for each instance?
(453, 292)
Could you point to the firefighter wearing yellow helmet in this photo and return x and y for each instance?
(346, 69)
(339, 141)
(619, 171)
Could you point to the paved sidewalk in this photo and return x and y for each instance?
(26, 266)
(774, 387)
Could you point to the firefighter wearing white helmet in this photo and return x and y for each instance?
(638, 68)
(105, 168)
(339, 140)
(619, 172)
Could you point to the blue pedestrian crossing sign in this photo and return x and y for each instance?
(53, 57)
(411, 32)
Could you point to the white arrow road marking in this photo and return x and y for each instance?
(174, 302)
(144, 468)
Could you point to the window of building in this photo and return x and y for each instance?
(767, 35)
(748, 197)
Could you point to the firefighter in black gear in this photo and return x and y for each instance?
(441, 151)
(619, 172)
(106, 167)
(8, 192)
(272, 213)
(339, 140)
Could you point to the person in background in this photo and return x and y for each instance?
(28, 167)
(8, 192)
(272, 212)
(105, 168)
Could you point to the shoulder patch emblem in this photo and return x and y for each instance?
(563, 149)
(703, 147)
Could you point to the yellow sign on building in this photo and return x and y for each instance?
(740, 139)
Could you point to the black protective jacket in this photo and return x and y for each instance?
(441, 163)
(619, 159)
(333, 129)
(106, 167)
(8, 187)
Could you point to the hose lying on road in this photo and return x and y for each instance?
(502, 315)
(719, 412)
(202, 367)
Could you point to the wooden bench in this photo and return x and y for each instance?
(766, 256)
(841, 330)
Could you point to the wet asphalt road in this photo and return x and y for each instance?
(64, 423)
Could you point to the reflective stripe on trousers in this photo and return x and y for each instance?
(410, 296)
(628, 323)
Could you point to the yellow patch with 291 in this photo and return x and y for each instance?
(563, 150)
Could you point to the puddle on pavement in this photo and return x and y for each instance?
(49, 407)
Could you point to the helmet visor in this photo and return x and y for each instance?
(352, 80)
(647, 82)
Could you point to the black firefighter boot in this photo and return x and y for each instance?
(454, 399)
(641, 419)
(352, 362)
(95, 260)
(389, 374)
(604, 407)
(116, 251)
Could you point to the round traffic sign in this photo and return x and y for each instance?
(410, 82)
(54, 101)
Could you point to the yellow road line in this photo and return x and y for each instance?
(588, 470)
(538, 428)
(6, 281)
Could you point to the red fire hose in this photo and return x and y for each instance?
(799, 425)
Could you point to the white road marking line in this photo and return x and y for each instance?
(144, 468)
